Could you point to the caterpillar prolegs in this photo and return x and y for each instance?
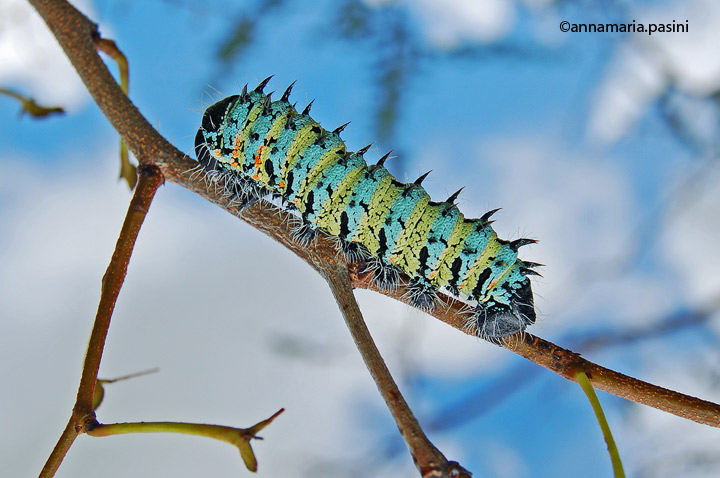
(257, 147)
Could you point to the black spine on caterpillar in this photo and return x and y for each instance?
(256, 147)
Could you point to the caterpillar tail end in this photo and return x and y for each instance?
(496, 321)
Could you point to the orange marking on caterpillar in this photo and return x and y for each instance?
(258, 162)
(236, 147)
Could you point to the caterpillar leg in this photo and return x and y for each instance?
(304, 234)
(386, 277)
(421, 294)
(242, 192)
(507, 313)
(496, 322)
(353, 251)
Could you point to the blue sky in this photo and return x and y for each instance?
(240, 327)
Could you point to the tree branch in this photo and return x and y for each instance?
(567, 364)
(428, 459)
(83, 413)
(75, 34)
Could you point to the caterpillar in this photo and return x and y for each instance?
(256, 147)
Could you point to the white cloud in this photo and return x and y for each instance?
(691, 238)
(691, 58)
(646, 65)
(449, 23)
(634, 82)
(662, 445)
(31, 60)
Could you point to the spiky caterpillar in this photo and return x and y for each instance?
(257, 147)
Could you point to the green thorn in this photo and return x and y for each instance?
(100, 389)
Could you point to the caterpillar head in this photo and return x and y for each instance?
(500, 317)
(209, 133)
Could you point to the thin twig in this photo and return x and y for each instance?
(587, 387)
(129, 376)
(238, 437)
(100, 385)
(110, 48)
(113, 279)
(83, 413)
(31, 107)
(428, 459)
